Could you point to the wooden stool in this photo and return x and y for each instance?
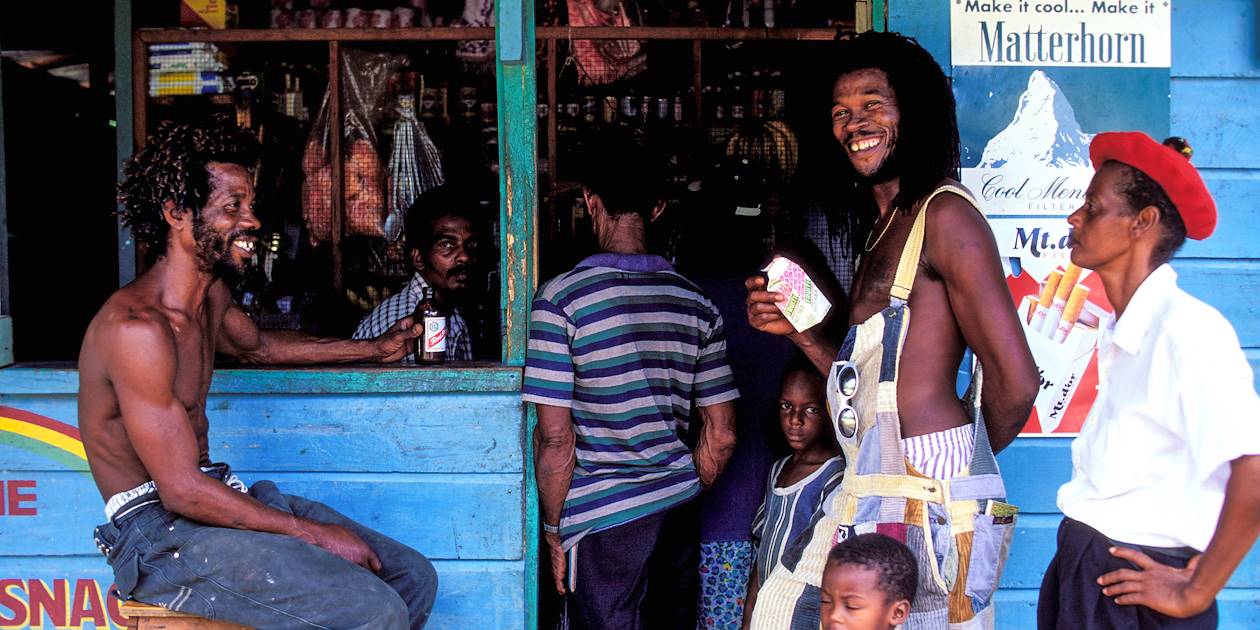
(145, 617)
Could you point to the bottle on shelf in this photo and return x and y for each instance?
(757, 95)
(737, 101)
(777, 95)
(588, 110)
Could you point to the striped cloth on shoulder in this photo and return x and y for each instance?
(628, 345)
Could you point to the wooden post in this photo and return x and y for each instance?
(125, 104)
(140, 132)
(518, 210)
(697, 83)
(878, 15)
(335, 157)
(6, 324)
(553, 146)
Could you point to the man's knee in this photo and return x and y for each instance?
(383, 608)
(419, 584)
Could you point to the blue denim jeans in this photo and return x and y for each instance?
(265, 580)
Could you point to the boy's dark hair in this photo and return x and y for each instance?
(800, 364)
(172, 166)
(432, 206)
(1140, 191)
(898, 570)
(618, 167)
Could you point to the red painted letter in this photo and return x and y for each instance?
(10, 601)
(54, 602)
(16, 498)
(87, 604)
(115, 614)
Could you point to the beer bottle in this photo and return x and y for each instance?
(431, 346)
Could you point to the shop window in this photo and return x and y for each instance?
(731, 122)
(394, 118)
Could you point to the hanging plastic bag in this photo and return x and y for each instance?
(604, 61)
(365, 76)
(415, 166)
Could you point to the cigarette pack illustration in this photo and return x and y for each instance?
(806, 305)
(1061, 325)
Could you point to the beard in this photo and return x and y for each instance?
(456, 291)
(214, 253)
(889, 170)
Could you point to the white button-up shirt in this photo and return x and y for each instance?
(1176, 404)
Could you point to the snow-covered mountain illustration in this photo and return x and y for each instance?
(1044, 131)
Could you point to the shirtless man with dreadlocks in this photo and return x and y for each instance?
(927, 477)
(180, 531)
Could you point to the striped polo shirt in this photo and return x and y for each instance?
(628, 345)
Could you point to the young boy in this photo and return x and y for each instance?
(798, 482)
(869, 582)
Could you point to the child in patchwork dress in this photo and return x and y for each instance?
(798, 482)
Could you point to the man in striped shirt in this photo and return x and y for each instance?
(620, 349)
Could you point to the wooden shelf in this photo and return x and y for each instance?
(686, 33)
(179, 35)
(287, 35)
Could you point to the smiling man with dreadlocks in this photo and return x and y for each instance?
(180, 531)
(920, 462)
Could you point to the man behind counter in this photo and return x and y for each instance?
(442, 244)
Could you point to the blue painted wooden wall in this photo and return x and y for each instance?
(433, 458)
(1216, 105)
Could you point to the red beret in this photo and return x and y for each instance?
(1169, 168)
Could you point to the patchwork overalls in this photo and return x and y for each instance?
(960, 547)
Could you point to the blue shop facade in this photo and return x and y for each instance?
(440, 458)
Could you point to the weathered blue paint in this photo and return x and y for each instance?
(471, 594)
(1215, 103)
(290, 380)
(347, 380)
(518, 178)
(511, 32)
(6, 337)
(438, 467)
(879, 15)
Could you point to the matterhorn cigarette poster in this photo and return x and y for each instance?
(1035, 82)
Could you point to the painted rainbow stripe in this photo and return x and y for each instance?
(46, 430)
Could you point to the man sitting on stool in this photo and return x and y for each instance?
(180, 531)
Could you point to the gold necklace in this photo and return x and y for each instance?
(869, 244)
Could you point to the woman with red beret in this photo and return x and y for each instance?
(1162, 504)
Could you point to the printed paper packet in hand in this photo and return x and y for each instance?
(806, 305)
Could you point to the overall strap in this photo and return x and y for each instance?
(908, 266)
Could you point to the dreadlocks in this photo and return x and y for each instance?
(172, 167)
(927, 144)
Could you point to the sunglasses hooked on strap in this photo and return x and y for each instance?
(842, 385)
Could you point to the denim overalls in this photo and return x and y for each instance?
(960, 548)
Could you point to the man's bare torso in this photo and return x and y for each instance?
(927, 400)
(113, 460)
